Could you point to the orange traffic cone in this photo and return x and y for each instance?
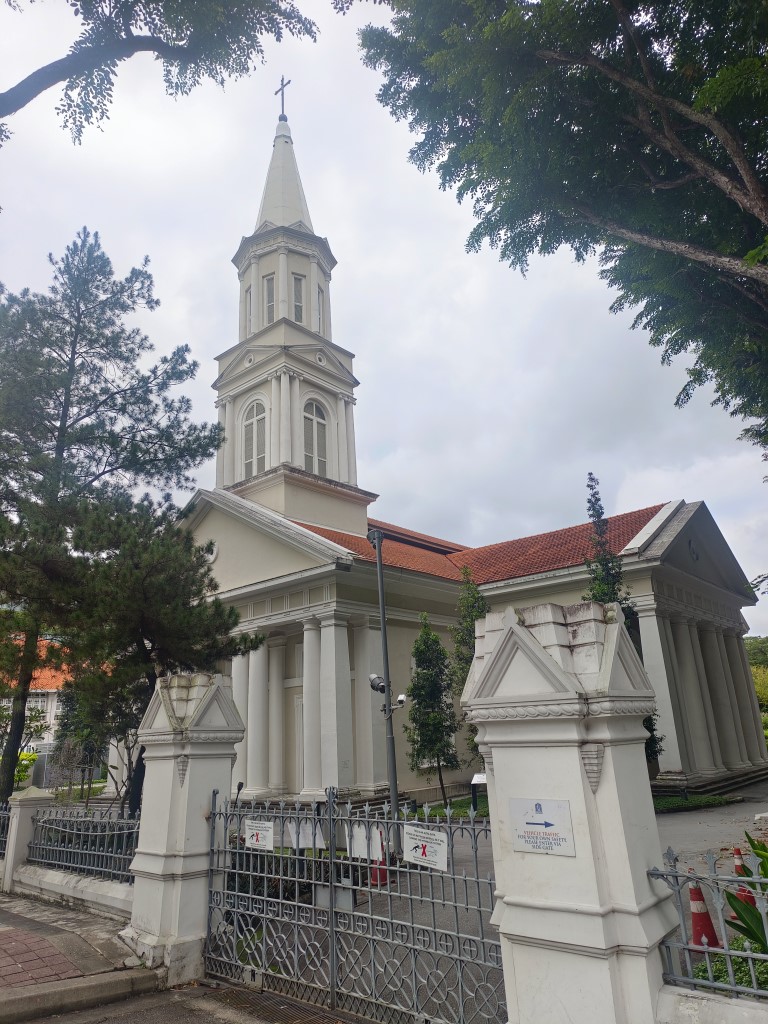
(743, 893)
(702, 930)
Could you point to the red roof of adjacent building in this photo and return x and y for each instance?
(511, 559)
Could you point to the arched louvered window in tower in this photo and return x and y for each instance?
(255, 440)
(315, 439)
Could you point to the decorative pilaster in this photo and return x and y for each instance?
(240, 697)
(282, 282)
(313, 311)
(276, 714)
(351, 452)
(297, 433)
(285, 417)
(336, 702)
(255, 296)
(229, 443)
(313, 774)
(257, 773)
(274, 431)
(341, 419)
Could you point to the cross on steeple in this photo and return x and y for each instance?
(281, 90)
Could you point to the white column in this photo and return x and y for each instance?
(229, 443)
(221, 413)
(706, 698)
(276, 714)
(257, 774)
(297, 422)
(336, 702)
(240, 697)
(313, 774)
(274, 423)
(747, 673)
(313, 294)
(242, 326)
(351, 453)
(732, 661)
(255, 296)
(693, 705)
(282, 282)
(341, 420)
(656, 664)
(370, 746)
(723, 701)
(684, 742)
(285, 417)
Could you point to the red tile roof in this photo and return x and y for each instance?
(512, 559)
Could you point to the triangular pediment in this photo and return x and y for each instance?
(186, 702)
(621, 670)
(518, 668)
(294, 347)
(253, 543)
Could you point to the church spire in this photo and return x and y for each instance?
(283, 203)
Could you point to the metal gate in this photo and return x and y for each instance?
(347, 909)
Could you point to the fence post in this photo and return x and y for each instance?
(189, 733)
(23, 806)
(558, 695)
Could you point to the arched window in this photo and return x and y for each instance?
(255, 439)
(315, 443)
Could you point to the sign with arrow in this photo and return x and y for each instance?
(542, 826)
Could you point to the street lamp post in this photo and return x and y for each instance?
(375, 538)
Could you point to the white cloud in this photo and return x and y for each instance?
(485, 397)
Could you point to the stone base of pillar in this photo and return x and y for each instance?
(312, 796)
(182, 959)
(721, 781)
(253, 794)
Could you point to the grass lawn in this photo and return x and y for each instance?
(667, 804)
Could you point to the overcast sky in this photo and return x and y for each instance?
(485, 397)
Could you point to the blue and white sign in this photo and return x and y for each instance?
(542, 826)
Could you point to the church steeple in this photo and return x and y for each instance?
(283, 203)
(286, 390)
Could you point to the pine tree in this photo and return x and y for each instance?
(431, 712)
(83, 418)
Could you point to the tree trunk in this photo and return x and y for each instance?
(10, 756)
(442, 784)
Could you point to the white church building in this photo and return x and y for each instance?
(290, 526)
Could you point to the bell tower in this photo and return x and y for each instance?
(285, 391)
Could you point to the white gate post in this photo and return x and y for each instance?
(189, 733)
(558, 696)
(23, 807)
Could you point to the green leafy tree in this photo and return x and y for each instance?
(634, 130)
(606, 585)
(431, 712)
(84, 416)
(757, 650)
(35, 725)
(471, 607)
(195, 40)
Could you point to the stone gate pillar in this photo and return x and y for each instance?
(558, 696)
(189, 733)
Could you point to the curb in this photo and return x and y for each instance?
(54, 997)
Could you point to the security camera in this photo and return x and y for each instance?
(401, 699)
(377, 683)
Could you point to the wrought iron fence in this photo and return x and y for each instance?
(708, 949)
(96, 844)
(5, 817)
(347, 908)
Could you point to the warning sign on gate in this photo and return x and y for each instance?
(259, 835)
(425, 846)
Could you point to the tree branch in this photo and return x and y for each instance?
(81, 62)
(757, 203)
(729, 264)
